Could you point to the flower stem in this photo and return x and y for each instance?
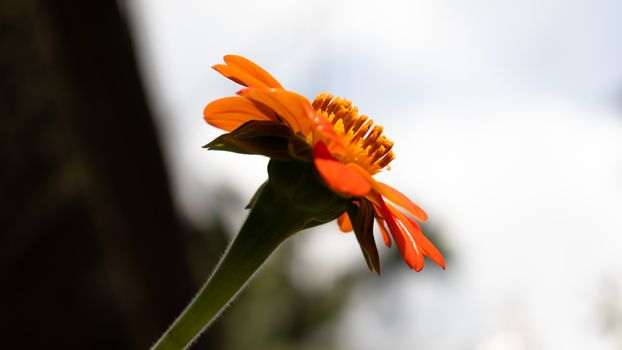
(270, 221)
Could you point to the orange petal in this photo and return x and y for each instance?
(339, 177)
(398, 198)
(289, 106)
(420, 239)
(230, 112)
(252, 69)
(384, 232)
(345, 225)
(428, 247)
(382, 225)
(392, 194)
(405, 242)
(323, 130)
(247, 73)
(239, 76)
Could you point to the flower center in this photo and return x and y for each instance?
(364, 143)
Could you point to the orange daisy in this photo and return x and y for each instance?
(345, 148)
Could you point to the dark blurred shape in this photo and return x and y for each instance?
(91, 250)
(275, 314)
(610, 308)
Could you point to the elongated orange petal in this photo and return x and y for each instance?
(398, 198)
(405, 242)
(339, 177)
(392, 194)
(429, 249)
(345, 225)
(230, 112)
(252, 69)
(239, 76)
(420, 239)
(382, 225)
(288, 105)
(384, 232)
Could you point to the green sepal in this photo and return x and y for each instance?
(300, 149)
(301, 185)
(263, 137)
(362, 218)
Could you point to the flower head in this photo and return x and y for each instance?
(344, 149)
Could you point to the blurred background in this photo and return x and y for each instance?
(507, 120)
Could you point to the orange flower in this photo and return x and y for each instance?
(345, 148)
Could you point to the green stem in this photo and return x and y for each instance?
(270, 221)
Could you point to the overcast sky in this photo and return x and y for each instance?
(508, 130)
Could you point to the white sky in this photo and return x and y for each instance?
(507, 123)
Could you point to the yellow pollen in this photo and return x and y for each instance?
(365, 145)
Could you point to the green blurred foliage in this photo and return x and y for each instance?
(274, 312)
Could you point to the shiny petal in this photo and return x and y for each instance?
(339, 177)
(413, 228)
(429, 249)
(289, 106)
(398, 198)
(405, 242)
(231, 112)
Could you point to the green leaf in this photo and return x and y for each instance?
(267, 138)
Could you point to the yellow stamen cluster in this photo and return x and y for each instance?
(364, 142)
